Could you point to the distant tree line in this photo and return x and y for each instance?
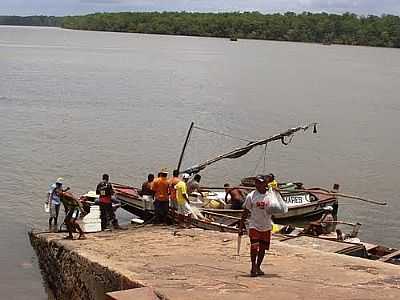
(31, 21)
(349, 29)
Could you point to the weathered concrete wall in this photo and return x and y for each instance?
(73, 277)
(182, 264)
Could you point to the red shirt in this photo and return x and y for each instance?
(172, 182)
(160, 187)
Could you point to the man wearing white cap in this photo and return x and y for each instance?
(54, 201)
(325, 225)
(327, 220)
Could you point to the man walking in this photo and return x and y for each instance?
(105, 191)
(74, 211)
(256, 204)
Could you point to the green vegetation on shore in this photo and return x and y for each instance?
(348, 29)
(31, 21)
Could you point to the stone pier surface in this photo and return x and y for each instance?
(196, 264)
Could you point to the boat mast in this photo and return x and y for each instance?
(184, 145)
(236, 153)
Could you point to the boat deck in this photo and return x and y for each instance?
(196, 264)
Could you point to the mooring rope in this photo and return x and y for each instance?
(223, 134)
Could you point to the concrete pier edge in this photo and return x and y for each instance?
(197, 264)
(71, 276)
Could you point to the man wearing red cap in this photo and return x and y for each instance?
(260, 224)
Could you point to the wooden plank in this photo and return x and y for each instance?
(144, 293)
(319, 244)
(390, 256)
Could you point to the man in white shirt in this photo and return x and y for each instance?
(260, 225)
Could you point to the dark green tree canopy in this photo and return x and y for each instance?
(349, 29)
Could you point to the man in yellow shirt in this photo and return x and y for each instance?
(181, 198)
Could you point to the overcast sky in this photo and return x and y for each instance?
(72, 7)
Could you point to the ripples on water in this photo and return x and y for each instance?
(77, 104)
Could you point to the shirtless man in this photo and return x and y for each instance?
(236, 194)
(75, 210)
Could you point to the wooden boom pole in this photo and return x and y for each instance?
(184, 146)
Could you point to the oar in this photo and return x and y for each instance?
(340, 222)
(121, 185)
(239, 242)
(307, 191)
(344, 196)
(222, 188)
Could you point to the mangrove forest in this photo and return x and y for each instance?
(348, 28)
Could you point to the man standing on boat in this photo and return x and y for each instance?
(194, 184)
(172, 182)
(236, 195)
(160, 187)
(260, 225)
(105, 191)
(146, 186)
(325, 225)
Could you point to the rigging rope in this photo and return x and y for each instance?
(263, 156)
(223, 134)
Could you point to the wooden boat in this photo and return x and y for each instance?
(307, 204)
(352, 247)
(132, 202)
(303, 204)
(143, 207)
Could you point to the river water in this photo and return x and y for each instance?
(77, 104)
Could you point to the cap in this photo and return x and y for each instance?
(60, 180)
(328, 208)
(164, 171)
(185, 176)
(260, 178)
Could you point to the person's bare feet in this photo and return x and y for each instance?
(82, 237)
(260, 272)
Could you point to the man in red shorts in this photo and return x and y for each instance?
(256, 204)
